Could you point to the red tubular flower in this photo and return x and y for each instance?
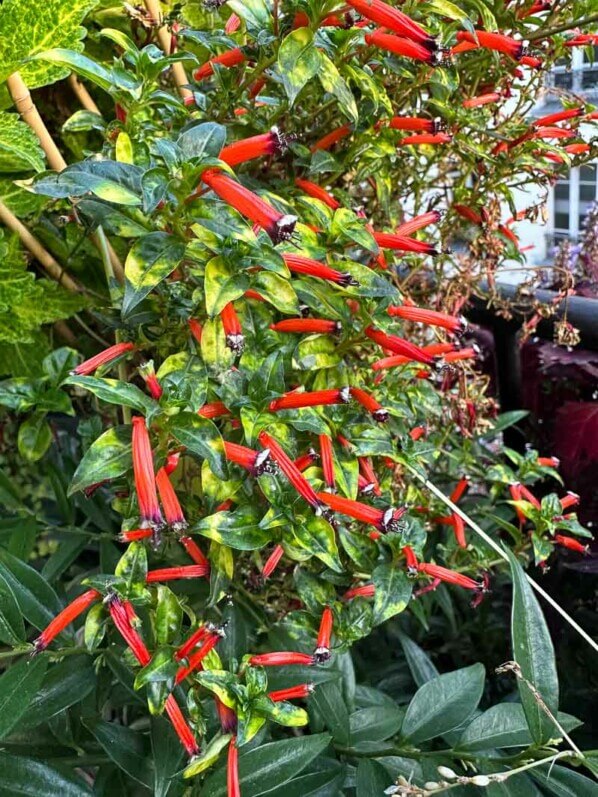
(143, 472)
(176, 573)
(417, 432)
(549, 462)
(305, 460)
(363, 591)
(172, 462)
(482, 99)
(292, 693)
(151, 380)
(317, 192)
(449, 576)
(256, 88)
(559, 116)
(313, 268)
(194, 639)
(271, 143)
(215, 409)
(256, 462)
(411, 560)
(577, 149)
(415, 123)
(233, 23)
(399, 346)
(492, 41)
(390, 17)
(536, 8)
(326, 456)
(317, 398)
(365, 486)
(134, 535)
(272, 561)
(460, 489)
(104, 357)
(290, 470)
(435, 349)
(468, 213)
(367, 472)
(196, 658)
(170, 503)
(469, 353)
(570, 543)
(278, 226)
(400, 46)
(569, 500)
(382, 519)
(308, 326)
(425, 138)
(181, 727)
(331, 138)
(228, 59)
(195, 553)
(418, 222)
(367, 401)
(389, 240)
(228, 718)
(527, 495)
(64, 618)
(232, 770)
(459, 530)
(581, 39)
(551, 132)
(195, 328)
(122, 614)
(431, 317)
(235, 340)
(281, 659)
(322, 651)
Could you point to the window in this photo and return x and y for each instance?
(589, 74)
(570, 201)
(577, 74)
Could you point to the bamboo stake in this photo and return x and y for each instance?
(178, 70)
(82, 94)
(26, 107)
(51, 266)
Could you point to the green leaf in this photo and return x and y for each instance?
(422, 668)
(19, 146)
(277, 290)
(317, 536)
(126, 748)
(375, 724)
(443, 704)
(32, 778)
(504, 725)
(209, 756)
(150, 260)
(534, 653)
(239, 529)
(269, 766)
(222, 284)
(332, 82)
(255, 13)
(204, 140)
(18, 686)
(31, 26)
(36, 599)
(326, 782)
(505, 420)
(445, 8)
(132, 565)
(371, 778)
(12, 628)
(107, 458)
(65, 683)
(35, 437)
(298, 61)
(112, 220)
(314, 352)
(113, 391)
(169, 615)
(201, 437)
(183, 376)
(328, 701)
(60, 58)
(167, 754)
(284, 713)
(393, 591)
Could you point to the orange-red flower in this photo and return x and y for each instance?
(66, 617)
(143, 472)
(313, 268)
(104, 357)
(308, 326)
(271, 143)
(317, 192)
(227, 59)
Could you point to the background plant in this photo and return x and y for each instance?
(201, 371)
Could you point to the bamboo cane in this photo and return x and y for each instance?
(178, 70)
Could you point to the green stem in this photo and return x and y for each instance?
(575, 23)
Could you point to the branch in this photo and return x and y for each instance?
(81, 93)
(576, 23)
(489, 541)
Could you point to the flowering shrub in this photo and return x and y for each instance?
(287, 445)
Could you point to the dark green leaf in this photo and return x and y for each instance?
(150, 260)
(393, 590)
(375, 724)
(298, 61)
(204, 140)
(371, 779)
(327, 700)
(66, 683)
(113, 391)
(564, 782)
(422, 668)
(12, 628)
(126, 748)
(201, 437)
(107, 458)
(31, 778)
(36, 599)
(18, 686)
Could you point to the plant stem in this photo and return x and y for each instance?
(178, 70)
(576, 23)
(82, 94)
